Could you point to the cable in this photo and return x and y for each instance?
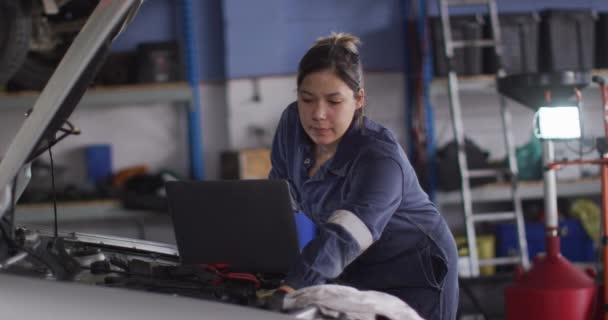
(71, 130)
(5, 235)
(581, 151)
(54, 193)
(535, 128)
(12, 209)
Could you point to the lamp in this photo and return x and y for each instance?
(557, 123)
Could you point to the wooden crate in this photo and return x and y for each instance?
(245, 164)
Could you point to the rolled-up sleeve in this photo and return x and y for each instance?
(375, 193)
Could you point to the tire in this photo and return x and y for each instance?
(15, 32)
(38, 66)
(33, 73)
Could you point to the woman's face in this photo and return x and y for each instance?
(326, 106)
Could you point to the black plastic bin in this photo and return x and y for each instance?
(158, 62)
(467, 61)
(601, 41)
(519, 34)
(567, 41)
(118, 69)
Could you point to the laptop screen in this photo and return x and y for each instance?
(247, 224)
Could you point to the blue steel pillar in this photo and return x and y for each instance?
(197, 165)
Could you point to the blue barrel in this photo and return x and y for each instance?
(98, 162)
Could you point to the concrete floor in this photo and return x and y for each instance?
(489, 293)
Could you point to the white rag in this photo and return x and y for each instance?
(335, 300)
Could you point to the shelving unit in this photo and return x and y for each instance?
(467, 84)
(105, 217)
(529, 190)
(485, 84)
(168, 93)
(177, 94)
(480, 84)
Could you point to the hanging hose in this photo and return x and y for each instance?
(419, 113)
(193, 71)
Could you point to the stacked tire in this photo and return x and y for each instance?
(15, 32)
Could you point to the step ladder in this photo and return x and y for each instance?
(471, 218)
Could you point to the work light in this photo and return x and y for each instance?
(558, 123)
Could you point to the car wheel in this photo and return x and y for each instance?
(51, 35)
(15, 31)
(33, 74)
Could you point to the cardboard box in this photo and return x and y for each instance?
(245, 164)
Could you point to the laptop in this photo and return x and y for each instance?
(246, 224)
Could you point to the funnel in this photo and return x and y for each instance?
(531, 89)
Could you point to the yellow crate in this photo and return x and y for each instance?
(486, 249)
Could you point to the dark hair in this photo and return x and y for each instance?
(338, 52)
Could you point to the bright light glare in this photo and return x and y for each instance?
(559, 122)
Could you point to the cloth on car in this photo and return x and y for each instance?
(342, 301)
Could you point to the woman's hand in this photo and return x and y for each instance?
(285, 288)
(275, 301)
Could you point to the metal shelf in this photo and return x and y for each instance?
(529, 190)
(110, 96)
(485, 84)
(481, 84)
(466, 84)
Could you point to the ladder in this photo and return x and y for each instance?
(470, 217)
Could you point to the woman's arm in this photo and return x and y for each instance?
(376, 188)
(282, 146)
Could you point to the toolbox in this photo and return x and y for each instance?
(576, 245)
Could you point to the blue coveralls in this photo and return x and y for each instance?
(378, 230)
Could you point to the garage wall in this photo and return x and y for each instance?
(384, 98)
(268, 37)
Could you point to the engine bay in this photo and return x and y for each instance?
(129, 264)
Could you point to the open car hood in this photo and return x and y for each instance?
(62, 93)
